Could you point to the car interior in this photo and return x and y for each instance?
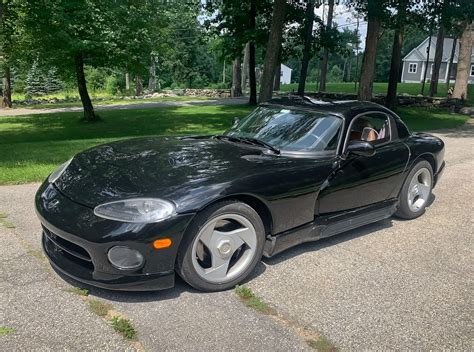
(371, 128)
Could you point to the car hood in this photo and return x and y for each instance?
(171, 168)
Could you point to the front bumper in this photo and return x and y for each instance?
(76, 243)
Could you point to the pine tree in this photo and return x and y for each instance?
(53, 82)
(35, 81)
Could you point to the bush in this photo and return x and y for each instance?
(112, 85)
(96, 78)
(335, 74)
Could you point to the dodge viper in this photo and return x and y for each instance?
(131, 214)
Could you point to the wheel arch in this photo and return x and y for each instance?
(256, 203)
(429, 158)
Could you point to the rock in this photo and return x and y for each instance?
(466, 110)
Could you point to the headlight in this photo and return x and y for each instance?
(142, 210)
(56, 174)
(125, 258)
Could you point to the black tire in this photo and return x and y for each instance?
(404, 210)
(184, 261)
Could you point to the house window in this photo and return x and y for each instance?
(412, 68)
(472, 70)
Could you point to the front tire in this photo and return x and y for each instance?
(221, 247)
(416, 191)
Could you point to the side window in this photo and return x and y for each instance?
(372, 127)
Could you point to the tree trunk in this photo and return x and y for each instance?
(451, 59)
(252, 78)
(89, 114)
(273, 49)
(277, 78)
(308, 38)
(324, 63)
(7, 88)
(127, 81)
(368, 61)
(245, 68)
(391, 99)
(152, 79)
(464, 63)
(138, 85)
(236, 78)
(437, 60)
(427, 62)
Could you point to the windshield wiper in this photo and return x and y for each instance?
(249, 140)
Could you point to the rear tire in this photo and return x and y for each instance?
(416, 191)
(221, 247)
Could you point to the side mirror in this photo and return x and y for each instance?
(360, 148)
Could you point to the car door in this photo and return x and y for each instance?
(358, 181)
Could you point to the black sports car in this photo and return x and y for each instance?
(127, 215)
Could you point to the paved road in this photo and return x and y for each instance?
(144, 104)
(395, 285)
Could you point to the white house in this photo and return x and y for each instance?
(285, 74)
(414, 64)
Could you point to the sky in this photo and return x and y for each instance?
(345, 19)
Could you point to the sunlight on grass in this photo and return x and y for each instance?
(33, 146)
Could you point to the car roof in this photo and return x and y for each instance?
(343, 108)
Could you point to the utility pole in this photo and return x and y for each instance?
(357, 55)
(223, 73)
(427, 61)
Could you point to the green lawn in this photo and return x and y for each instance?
(379, 88)
(32, 146)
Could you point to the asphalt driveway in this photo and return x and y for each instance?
(394, 285)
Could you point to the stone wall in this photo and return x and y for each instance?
(403, 100)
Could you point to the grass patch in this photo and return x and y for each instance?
(125, 327)
(427, 119)
(379, 88)
(5, 330)
(33, 146)
(99, 307)
(37, 254)
(253, 301)
(4, 222)
(79, 291)
(322, 344)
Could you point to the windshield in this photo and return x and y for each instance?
(290, 130)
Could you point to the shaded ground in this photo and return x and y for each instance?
(123, 105)
(394, 285)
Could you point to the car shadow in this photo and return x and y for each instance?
(328, 242)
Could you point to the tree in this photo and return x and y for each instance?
(443, 17)
(7, 22)
(35, 81)
(308, 38)
(375, 13)
(272, 50)
(324, 61)
(395, 63)
(464, 60)
(53, 83)
(236, 78)
(70, 33)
